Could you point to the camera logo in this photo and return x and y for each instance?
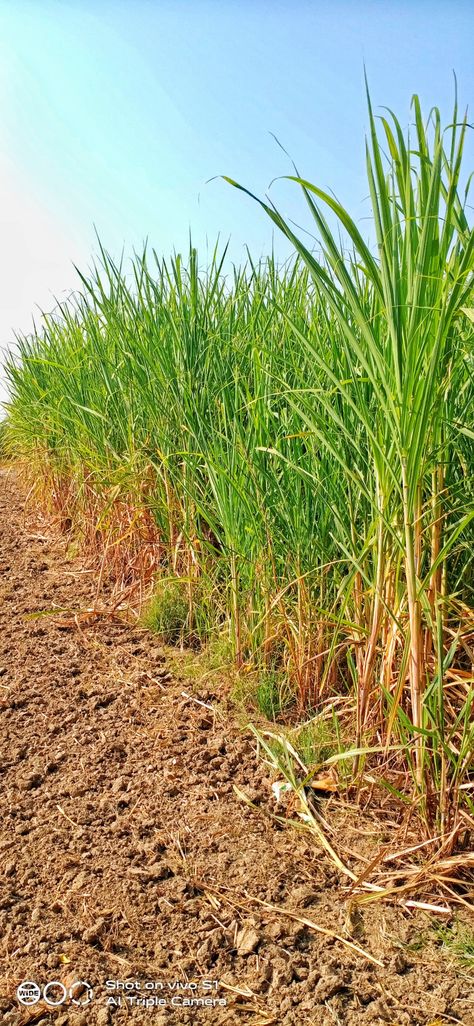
(54, 993)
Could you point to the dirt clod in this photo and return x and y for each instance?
(247, 940)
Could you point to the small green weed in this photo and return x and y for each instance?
(272, 694)
(314, 741)
(167, 612)
(458, 941)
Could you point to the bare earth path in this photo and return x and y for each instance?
(125, 854)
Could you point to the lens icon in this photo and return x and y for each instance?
(58, 992)
(28, 993)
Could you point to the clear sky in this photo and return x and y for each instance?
(115, 113)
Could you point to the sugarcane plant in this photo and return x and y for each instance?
(398, 394)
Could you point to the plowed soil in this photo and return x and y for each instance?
(128, 861)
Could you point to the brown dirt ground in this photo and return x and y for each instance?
(127, 856)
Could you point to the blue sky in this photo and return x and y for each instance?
(116, 113)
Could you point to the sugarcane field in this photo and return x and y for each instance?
(236, 517)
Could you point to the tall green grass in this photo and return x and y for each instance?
(299, 442)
